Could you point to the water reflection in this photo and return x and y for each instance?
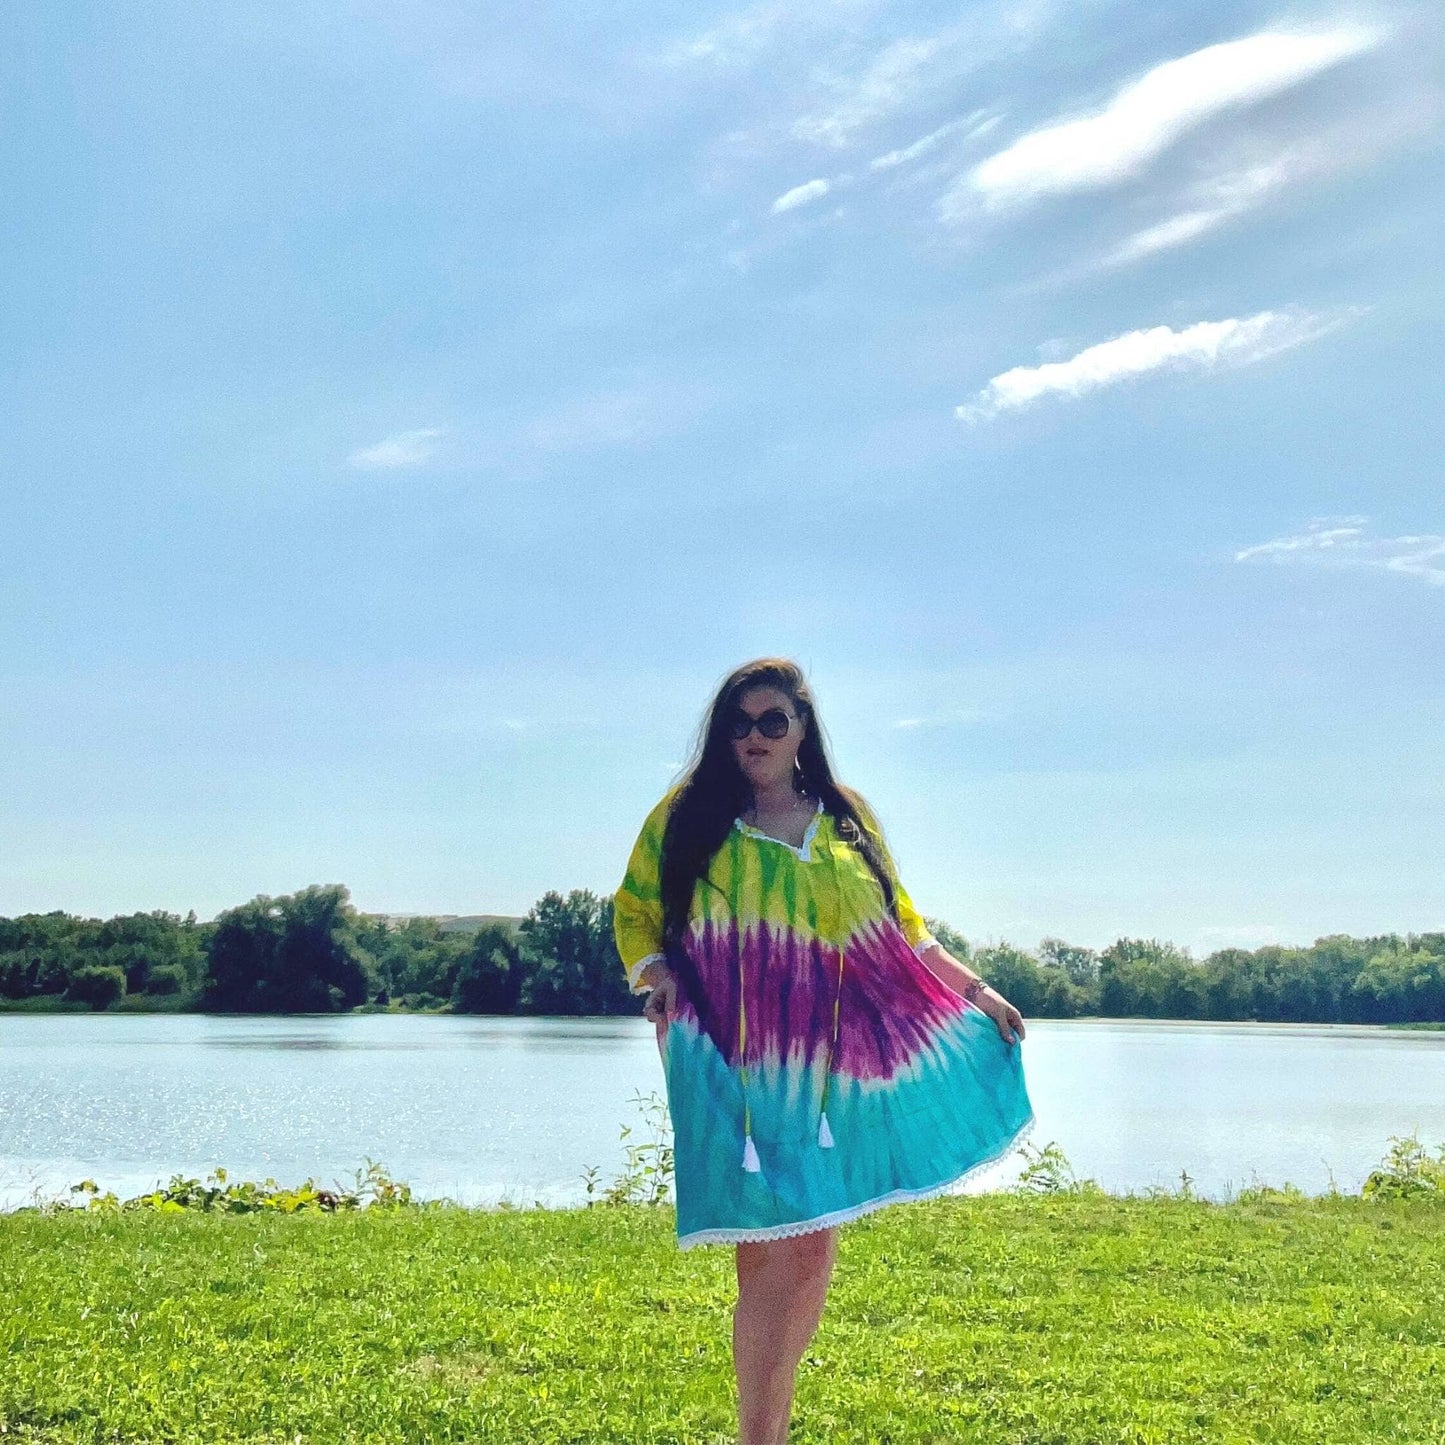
(264, 1041)
(443, 1033)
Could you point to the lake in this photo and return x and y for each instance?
(483, 1109)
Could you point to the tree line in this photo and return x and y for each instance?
(1386, 978)
(313, 952)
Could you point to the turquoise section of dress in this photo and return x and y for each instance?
(954, 1108)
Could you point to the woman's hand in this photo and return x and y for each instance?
(945, 967)
(1008, 1019)
(662, 1001)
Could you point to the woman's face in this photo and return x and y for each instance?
(764, 761)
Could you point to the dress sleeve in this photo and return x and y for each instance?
(637, 903)
(915, 930)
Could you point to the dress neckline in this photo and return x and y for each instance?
(804, 852)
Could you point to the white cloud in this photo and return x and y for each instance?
(980, 121)
(806, 32)
(1055, 348)
(1148, 115)
(405, 449)
(1254, 171)
(1235, 341)
(1344, 542)
(1164, 235)
(760, 30)
(888, 83)
(734, 39)
(1219, 201)
(800, 196)
(943, 719)
(977, 124)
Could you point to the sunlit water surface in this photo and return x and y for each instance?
(488, 1109)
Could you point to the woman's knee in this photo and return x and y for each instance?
(804, 1256)
(813, 1253)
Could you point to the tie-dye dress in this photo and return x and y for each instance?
(837, 1073)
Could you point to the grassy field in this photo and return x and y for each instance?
(1061, 1319)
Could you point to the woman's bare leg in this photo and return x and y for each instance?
(781, 1288)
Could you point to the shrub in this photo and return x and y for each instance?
(1408, 1172)
(99, 985)
(166, 978)
(1048, 1171)
(374, 1189)
(647, 1175)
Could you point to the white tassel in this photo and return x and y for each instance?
(751, 1162)
(825, 1134)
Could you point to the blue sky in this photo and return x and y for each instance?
(412, 412)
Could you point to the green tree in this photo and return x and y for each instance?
(1079, 965)
(166, 979)
(413, 959)
(1149, 978)
(139, 943)
(490, 973)
(1264, 984)
(293, 954)
(573, 966)
(1401, 984)
(1014, 973)
(950, 938)
(1338, 960)
(1060, 997)
(39, 952)
(97, 984)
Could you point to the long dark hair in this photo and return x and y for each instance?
(713, 792)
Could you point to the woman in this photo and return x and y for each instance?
(824, 1054)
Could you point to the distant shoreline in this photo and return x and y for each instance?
(47, 1005)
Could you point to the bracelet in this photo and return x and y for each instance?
(973, 988)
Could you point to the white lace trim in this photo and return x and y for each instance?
(635, 971)
(805, 852)
(924, 943)
(856, 1211)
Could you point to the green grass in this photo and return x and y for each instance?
(1060, 1319)
(44, 1003)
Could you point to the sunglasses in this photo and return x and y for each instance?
(772, 724)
